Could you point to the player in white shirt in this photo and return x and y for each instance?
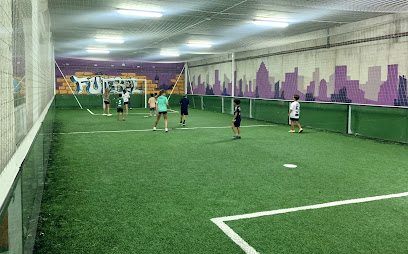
(126, 97)
(294, 114)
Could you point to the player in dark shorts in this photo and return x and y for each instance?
(184, 105)
(119, 104)
(236, 122)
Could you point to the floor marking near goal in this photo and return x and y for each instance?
(147, 130)
(171, 112)
(220, 221)
(90, 111)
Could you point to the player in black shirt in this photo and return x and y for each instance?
(184, 104)
(236, 122)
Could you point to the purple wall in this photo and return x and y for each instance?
(393, 90)
(165, 72)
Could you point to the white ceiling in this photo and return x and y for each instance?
(226, 24)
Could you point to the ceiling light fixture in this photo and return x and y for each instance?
(110, 40)
(169, 54)
(199, 45)
(141, 13)
(102, 51)
(270, 23)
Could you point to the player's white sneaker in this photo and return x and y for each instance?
(167, 130)
(105, 114)
(154, 128)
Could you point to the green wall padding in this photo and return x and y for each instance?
(380, 122)
(228, 105)
(332, 117)
(213, 103)
(174, 101)
(195, 101)
(272, 111)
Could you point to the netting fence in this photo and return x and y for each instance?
(27, 86)
(380, 122)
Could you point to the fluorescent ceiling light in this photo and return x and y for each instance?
(98, 51)
(110, 40)
(140, 13)
(199, 45)
(169, 54)
(270, 23)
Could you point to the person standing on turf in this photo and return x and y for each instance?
(294, 114)
(106, 101)
(119, 105)
(236, 122)
(162, 105)
(126, 98)
(152, 105)
(184, 104)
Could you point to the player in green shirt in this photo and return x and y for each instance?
(162, 104)
(119, 106)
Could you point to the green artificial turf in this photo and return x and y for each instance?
(372, 227)
(155, 192)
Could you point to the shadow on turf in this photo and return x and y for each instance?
(223, 141)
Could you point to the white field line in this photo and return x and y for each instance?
(90, 111)
(227, 127)
(146, 130)
(220, 222)
(138, 113)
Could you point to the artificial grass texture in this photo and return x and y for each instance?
(155, 192)
(372, 227)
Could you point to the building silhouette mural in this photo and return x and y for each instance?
(391, 91)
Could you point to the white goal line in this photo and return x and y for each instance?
(92, 113)
(220, 221)
(147, 130)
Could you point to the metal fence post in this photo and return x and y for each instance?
(222, 102)
(250, 108)
(202, 102)
(349, 120)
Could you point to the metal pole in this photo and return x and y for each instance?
(185, 78)
(232, 81)
(145, 81)
(250, 108)
(189, 81)
(349, 120)
(68, 85)
(176, 82)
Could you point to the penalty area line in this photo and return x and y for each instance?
(220, 221)
(147, 130)
(90, 111)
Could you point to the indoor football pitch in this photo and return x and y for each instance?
(119, 187)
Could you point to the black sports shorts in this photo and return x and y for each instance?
(237, 123)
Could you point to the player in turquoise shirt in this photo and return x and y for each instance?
(162, 105)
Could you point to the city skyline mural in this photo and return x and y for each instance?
(379, 89)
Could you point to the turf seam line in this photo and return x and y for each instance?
(220, 221)
(145, 130)
(90, 111)
(173, 112)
